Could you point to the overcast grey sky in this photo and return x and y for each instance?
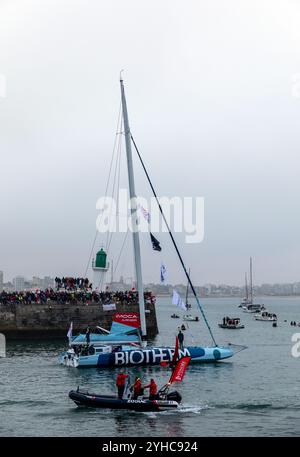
(214, 107)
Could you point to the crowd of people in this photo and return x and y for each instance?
(72, 296)
(73, 283)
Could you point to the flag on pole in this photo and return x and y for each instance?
(163, 273)
(179, 371)
(155, 243)
(177, 300)
(70, 331)
(145, 213)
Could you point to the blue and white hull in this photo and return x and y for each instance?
(147, 356)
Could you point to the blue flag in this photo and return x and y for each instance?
(163, 273)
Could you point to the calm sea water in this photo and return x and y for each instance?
(256, 393)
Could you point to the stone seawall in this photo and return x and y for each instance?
(52, 320)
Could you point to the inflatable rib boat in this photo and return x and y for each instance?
(84, 398)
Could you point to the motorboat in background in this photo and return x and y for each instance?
(253, 308)
(232, 323)
(190, 318)
(266, 316)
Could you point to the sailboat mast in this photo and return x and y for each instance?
(251, 284)
(246, 287)
(187, 289)
(133, 207)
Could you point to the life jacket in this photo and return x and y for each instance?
(121, 379)
(153, 388)
(137, 387)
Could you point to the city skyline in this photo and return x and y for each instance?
(20, 283)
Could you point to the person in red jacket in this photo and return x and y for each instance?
(120, 382)
(137, 388)
(152, 389)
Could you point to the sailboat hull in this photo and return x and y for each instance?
(152, 356)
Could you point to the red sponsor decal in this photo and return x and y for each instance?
(179, 370)
(132, 319)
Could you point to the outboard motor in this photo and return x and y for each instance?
(174, 396)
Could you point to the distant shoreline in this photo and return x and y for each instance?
(233, 296)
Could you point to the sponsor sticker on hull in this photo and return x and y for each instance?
(146, 356)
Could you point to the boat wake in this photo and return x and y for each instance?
(31, 403)
(182, 409)
(254, 406)
(192, 409)
(249, 406)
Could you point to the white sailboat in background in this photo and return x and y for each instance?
(246, 300)
(247, 304)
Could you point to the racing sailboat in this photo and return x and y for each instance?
(116, 354)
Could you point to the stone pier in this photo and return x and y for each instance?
(52, 319)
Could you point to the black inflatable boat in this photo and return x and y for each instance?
(84, 398)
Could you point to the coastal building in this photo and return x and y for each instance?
(36, 282)
(296, 288)
(19, 283)
(40, 283)
(8, 286)
(47, 283)
(120, 285)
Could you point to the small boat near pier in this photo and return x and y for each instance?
(232, 323)
(190, 318)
